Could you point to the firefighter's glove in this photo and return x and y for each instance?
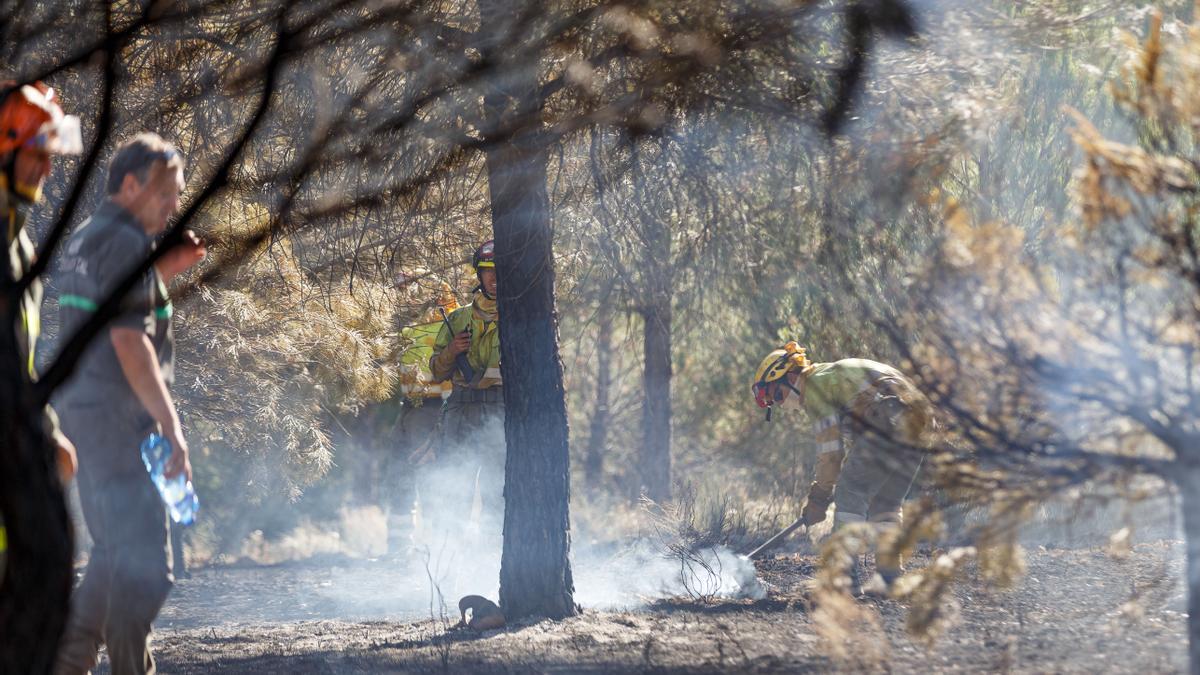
(819, 498)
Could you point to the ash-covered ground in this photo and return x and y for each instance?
(1075, 610)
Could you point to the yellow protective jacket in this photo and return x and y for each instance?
(21, 255)
(416, 379)
(481, 319)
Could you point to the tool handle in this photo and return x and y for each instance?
(770, 543)
(446, 320)
(464, 367)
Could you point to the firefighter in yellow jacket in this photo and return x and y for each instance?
(471, 447)
(871, 425)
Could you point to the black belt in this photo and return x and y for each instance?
(421, 402)
(466, 395)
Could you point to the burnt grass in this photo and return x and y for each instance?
(1074, 610)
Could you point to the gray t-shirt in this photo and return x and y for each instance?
(96, 258)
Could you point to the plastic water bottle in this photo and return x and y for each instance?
(177, 493)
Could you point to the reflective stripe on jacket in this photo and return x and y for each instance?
(21, 255)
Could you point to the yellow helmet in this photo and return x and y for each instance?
(791, 357)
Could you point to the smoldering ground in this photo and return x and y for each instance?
(1073, 613)
(431, 535)
(349, 609)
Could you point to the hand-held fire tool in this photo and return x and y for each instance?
(774, 541)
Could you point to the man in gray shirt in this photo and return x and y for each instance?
(118, 395)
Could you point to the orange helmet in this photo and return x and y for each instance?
(30, 116)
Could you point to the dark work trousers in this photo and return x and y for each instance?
(180, 565)
(463, 490)
(403, 443)
(129, 569)
(879, 467)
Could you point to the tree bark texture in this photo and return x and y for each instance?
(535, 568)
(36, 585)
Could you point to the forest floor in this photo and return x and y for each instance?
(1075, 610)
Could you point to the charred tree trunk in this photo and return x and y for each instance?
(535, 568)
(535, 571)
(1189, 488)
(654, 463)
(36, 585)
(593, 463)
(655, 460)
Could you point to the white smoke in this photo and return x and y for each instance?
(452, 528)
(643, 572)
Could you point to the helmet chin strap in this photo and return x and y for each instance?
(799, 397)
(480, 287)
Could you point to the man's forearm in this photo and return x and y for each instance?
(140, 366)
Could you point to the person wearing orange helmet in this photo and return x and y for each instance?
(871, 425)
(33, 130)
